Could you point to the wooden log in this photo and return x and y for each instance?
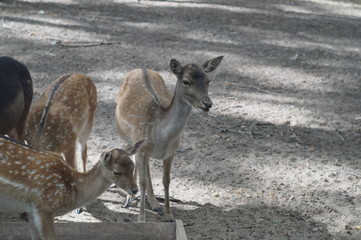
(104, 231)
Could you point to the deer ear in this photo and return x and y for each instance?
(175, 66)
(212, 64)
(135, 147)
(107, 159)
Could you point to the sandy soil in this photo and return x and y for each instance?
(278, 157)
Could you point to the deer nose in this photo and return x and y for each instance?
(207, 103)
(134, 190)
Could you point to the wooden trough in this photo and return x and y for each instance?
(101, 231)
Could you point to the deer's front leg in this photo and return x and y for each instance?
(150, 193)
(142, 159)
(167, 212)
(131, 197)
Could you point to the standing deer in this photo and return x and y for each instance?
(63, 116)
(16, 94)
(146, 109)
(44, 185)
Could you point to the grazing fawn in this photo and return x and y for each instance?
(63, 116)
(16, 94)
(146, 109)
(44, 185)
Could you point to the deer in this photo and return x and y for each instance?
(16, 94)
(145, 108)
(63, 116)
(42, 184)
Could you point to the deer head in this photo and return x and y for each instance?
(122, 167)
(193, 82)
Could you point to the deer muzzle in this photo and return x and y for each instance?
(206, 104)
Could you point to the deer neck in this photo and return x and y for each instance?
(174, 119)
(92, 184)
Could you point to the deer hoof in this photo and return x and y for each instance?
(24, 216)
(169, 220)
(78, 210)
(158, 210)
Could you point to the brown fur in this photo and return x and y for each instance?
(146, 109)
(44, 185)
(63, 116)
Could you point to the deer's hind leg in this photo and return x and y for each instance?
(42, 225)
(83, 139)
(70, 154)
(167, 165)
(155, 206)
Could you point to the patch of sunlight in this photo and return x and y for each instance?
(74, 217)
(50, 1)
(339, 46)
(107, 76)
(270, 108)
(148, 25)
(340, 4)
(73, 2)
(206, 36)
(217, 7)
(40, 18)
(337, 8)
(341, 7)
(279, 76)
(51, 28)
(334, 63)
(295, 9)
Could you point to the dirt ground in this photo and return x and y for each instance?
(278, 156)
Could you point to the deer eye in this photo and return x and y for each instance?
(117, 173)
(186, 82)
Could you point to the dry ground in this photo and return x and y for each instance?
(278, 157)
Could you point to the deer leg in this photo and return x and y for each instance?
(135, 173)
(142, 159)
(20, 128)
(84, 155)
(42, 226)
(13, 135)
(33, 229)
(82, 139)
(131, 198)
(150, 193)
(167, 213)
(70, 155)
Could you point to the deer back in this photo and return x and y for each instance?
(142, 96)
(64, 110)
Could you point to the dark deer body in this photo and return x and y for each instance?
(16, 93)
